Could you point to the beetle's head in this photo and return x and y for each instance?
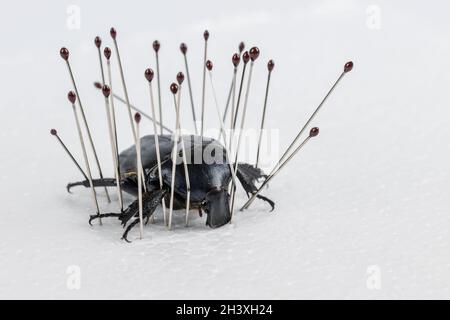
(217, 207)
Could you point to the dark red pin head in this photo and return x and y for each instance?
(156, 45)
(209, 65)
(183, 48)
(241, 47)
(348, 66)
(107, 53)
(270, 65)
(245, 57)
(314, 132)
(113, 33)
(53, 132)
(106, 91)
(72, 96)
(98, 41)
(137, 117)
(98, 85)
(254, 53)
(180, 77)
(236, 59)
(64, 53)
(174, 88)
(149, 74)
(206, 35)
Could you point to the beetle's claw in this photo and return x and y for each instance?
(125, 238)
(130, 226)
(92, 217)
(70, 185)
(271, 203)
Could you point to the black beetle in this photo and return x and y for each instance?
(209, 180)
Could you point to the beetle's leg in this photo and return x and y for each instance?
(150, 203)
(125, 234)
(129, 212)
(103, 215)
(248, 175)
(271, 203)
(106, 182)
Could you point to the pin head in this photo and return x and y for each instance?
(348, 66)
(107, 53)
(183, 48)
(64, 53)
(174, 88)
(72, 96)
(106, 91)
(156, 45)
(149, 74)
(313, 132)
(98, 85)
(254, 53)
(245, 57)
(180, 77)
(241, 47)
(98, 41)
(137, 117)
(113, 33)
(206, 35)
(53, 132)
(209, 65)
(270, 65)
(236, 59)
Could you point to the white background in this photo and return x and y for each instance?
(371, 190)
